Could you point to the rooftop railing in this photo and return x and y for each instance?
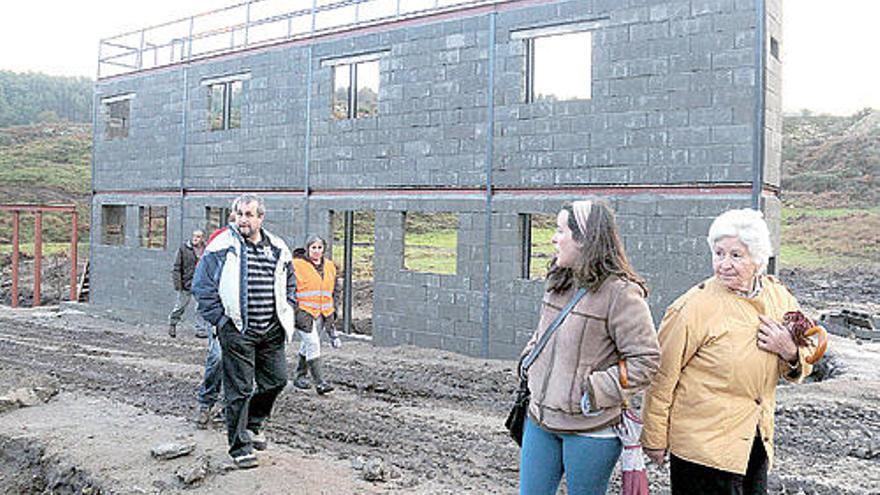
(254, 23)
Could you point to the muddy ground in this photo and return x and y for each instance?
(433, 418)
(102, 393)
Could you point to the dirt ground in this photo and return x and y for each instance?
(107, 392)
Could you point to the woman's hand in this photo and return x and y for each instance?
(773, 337)
(657, 456)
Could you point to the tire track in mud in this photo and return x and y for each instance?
(435, 421)
(436, 417)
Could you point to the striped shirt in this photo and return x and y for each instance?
(260, 285)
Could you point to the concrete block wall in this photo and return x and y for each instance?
(773, 95)
(149, 158)
(667, 138)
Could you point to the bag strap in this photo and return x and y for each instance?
(542, 342)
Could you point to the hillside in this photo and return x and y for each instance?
(31, 98)
(48, 163)
(832, 161)
(830, 169)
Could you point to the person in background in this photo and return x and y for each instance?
(576, 391)
(723, 351)
(246, 287)
(188, 256)
(317, 295)
(209, 389)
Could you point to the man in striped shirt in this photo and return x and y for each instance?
(245, 286)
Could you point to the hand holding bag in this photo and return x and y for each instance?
(516, 419)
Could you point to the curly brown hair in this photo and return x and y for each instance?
(602, 253)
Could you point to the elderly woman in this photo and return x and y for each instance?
(723, 349)
(575, 381)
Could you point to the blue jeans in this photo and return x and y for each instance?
(209, 390)
(586, 461)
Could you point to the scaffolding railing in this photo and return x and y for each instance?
(255, 23)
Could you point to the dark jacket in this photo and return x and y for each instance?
(184, 267)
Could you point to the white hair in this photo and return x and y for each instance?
(749, 227)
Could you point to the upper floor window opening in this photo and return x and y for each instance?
(225, 96)
(355, 83)
(558, 67)
(224, 103)
(117, 116)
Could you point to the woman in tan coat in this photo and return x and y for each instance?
(723, 350)
(576, 393)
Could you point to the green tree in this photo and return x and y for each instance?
(29, 98)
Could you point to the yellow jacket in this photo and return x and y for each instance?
(715, 388)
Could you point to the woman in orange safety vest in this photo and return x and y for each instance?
(316, 296)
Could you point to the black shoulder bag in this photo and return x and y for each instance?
(516, 419)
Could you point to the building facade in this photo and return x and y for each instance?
(490, 111)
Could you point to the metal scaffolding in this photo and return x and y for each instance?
(255, 23)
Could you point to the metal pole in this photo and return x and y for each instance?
(15, 222)
(73, 260)
(38, 255)
(349, 272)
(526, 226)
(314, 13)
(183, 134)
(247, 22)
(140, 56)
(758, 147)
(100, 47)
(92, 233)
(308, 138)
(490, 132)
(189, 39)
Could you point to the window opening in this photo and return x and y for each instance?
(113, 225)
(537, 249)
(356, 90)
(559, 67)
(118, 113)
(215, 217)
(362, 249)
(224, 105)
(430, 242)
(153, 227)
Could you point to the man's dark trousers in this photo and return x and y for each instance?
(250, 358)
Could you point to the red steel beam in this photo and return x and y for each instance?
(37, 208)
(73, 242)
(38, 255)
(15, 219)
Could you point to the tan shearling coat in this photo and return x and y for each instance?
(581, 357)
(715, 387)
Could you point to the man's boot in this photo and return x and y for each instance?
(203, 417)
(318, 376)
(301, 375)
(172, 330)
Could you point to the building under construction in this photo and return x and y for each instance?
(491, 113)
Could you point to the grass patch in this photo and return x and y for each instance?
(830, 237)
(49, 249)
(789, 214)
(430, 242)
(431, 252)
(430, 260)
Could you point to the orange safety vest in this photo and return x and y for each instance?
(314, 294)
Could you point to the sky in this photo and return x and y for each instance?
(829, 49)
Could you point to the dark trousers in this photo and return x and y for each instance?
(689, 478)
(254, 373)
